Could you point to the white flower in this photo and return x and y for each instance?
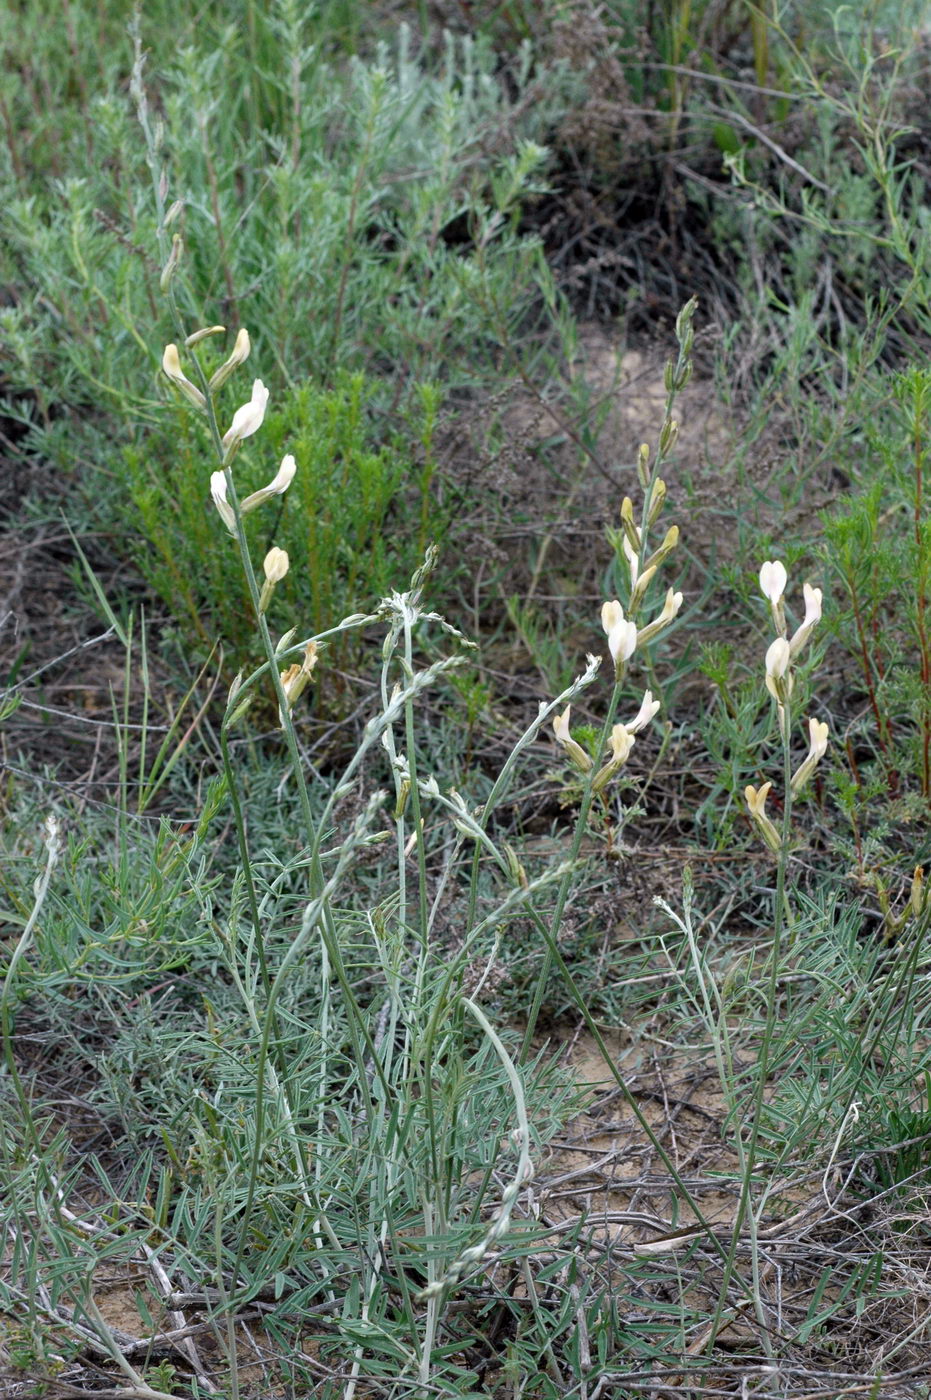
(773, 580)
(248, 418)
(622, 635)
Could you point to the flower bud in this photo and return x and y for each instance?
(632, 534)
(197, 336)
(643, 465)
(669, 543)
(668, 436)
(657, 501)
(171, 266)
(275, 567)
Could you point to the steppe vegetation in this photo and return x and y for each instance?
(465, 700)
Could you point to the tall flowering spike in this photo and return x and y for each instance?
(659, 624)
(756, 804)
(812, 617)
(576, 753)
(818, 747)
(276, 487)
(248, 418)
(218, 492)
(171, 364)
(239, 355)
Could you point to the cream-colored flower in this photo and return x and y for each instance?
(812, 617)
(659, 624)
(622, 741)
(278, 484)
(171, 364)
(756, 804)
(275, 565)
(576, 753)
(276, 487)
(778, 675)
(239, 355)
(218, 492)
(248, 418)
(648, 708)
(818, 747)
(639, 579)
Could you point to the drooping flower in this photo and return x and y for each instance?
(218, 492)
(248, 418)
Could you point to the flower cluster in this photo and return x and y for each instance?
(621, 628)
(781, 655)
(246, 421)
